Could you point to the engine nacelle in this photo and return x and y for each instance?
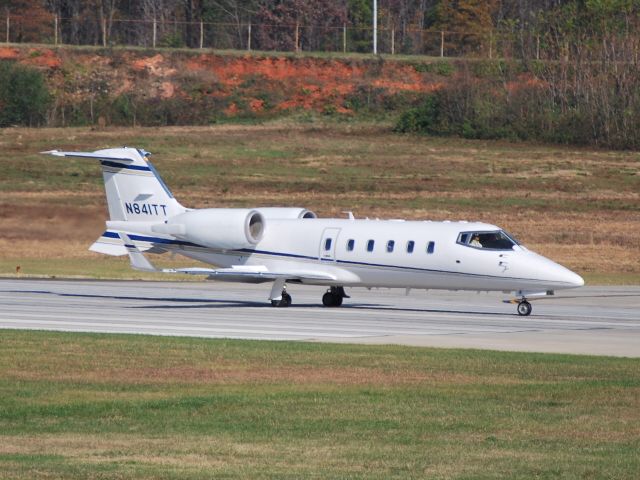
(285, 213)
(223, 228)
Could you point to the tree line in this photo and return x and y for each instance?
(505, 28)
(569, 73)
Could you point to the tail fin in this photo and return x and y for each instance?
(135, 191)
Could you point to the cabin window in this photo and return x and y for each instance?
(431, 247)
(390, 245)
(350, 245)
(496, 240)
(410, 246)
(327, 244)
(370, 244)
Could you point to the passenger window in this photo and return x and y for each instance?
(431, 246)
(370, 246)
(410, 245)
(350, 245)
(390, 245)
(327, 244)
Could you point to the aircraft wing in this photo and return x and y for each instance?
(237, 273)
(253, 274)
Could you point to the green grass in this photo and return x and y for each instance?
(612, 278)
(106, 406)
(100, 267)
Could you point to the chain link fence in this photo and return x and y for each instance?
(152, 33)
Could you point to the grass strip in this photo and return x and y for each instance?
(113, 406)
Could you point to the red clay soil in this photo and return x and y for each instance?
(243, 82)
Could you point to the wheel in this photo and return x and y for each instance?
(286, 298)
(285, 301)
(327, 299)
(524, 308)
(330, 299)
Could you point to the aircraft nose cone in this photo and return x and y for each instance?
(567, 277)
(574, 279)
(558, 276)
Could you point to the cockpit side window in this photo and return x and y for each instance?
(496, 240)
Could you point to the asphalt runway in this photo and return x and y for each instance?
(589, 320)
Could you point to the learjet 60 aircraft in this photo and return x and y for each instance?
(292, 245)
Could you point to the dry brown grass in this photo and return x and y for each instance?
(580, 207)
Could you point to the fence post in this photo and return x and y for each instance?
(537, 47)
(375, 27)
(344, 38)
(490, 44)
(104, 32)
(249, 38)
(8, 26)
(201, 34)
(393, 41)
(297, 37)
(155, 31)
(55, 29)
(442, 43)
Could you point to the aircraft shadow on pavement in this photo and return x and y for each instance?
(202, 303)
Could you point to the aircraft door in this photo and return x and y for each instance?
(328, 244)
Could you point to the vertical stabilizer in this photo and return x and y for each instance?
(135, 191)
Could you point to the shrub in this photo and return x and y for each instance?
(24, 98)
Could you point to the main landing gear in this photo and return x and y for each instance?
(524, 308)
(333, 297)
(280, 298)
(284, 301)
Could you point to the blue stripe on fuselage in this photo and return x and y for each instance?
(165, 241)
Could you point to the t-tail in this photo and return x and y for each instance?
(136, 195)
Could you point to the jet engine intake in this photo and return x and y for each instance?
(223, 228)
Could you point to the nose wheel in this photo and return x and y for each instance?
(524, 308)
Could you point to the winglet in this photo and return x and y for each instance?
(138, 260)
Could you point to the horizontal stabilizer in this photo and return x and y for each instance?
(110, 243)
(108, 248)
(94, 155)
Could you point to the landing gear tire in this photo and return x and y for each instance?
(333, 297)
(524, 308)
(285, 301)
(331, 300)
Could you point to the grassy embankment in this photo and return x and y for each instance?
(106, 406)
(578, 206)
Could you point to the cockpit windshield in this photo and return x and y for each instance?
(496, 240)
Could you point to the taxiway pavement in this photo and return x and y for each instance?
(589, 320)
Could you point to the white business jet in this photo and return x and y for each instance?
(292, 245)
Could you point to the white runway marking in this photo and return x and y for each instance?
(591, 320)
